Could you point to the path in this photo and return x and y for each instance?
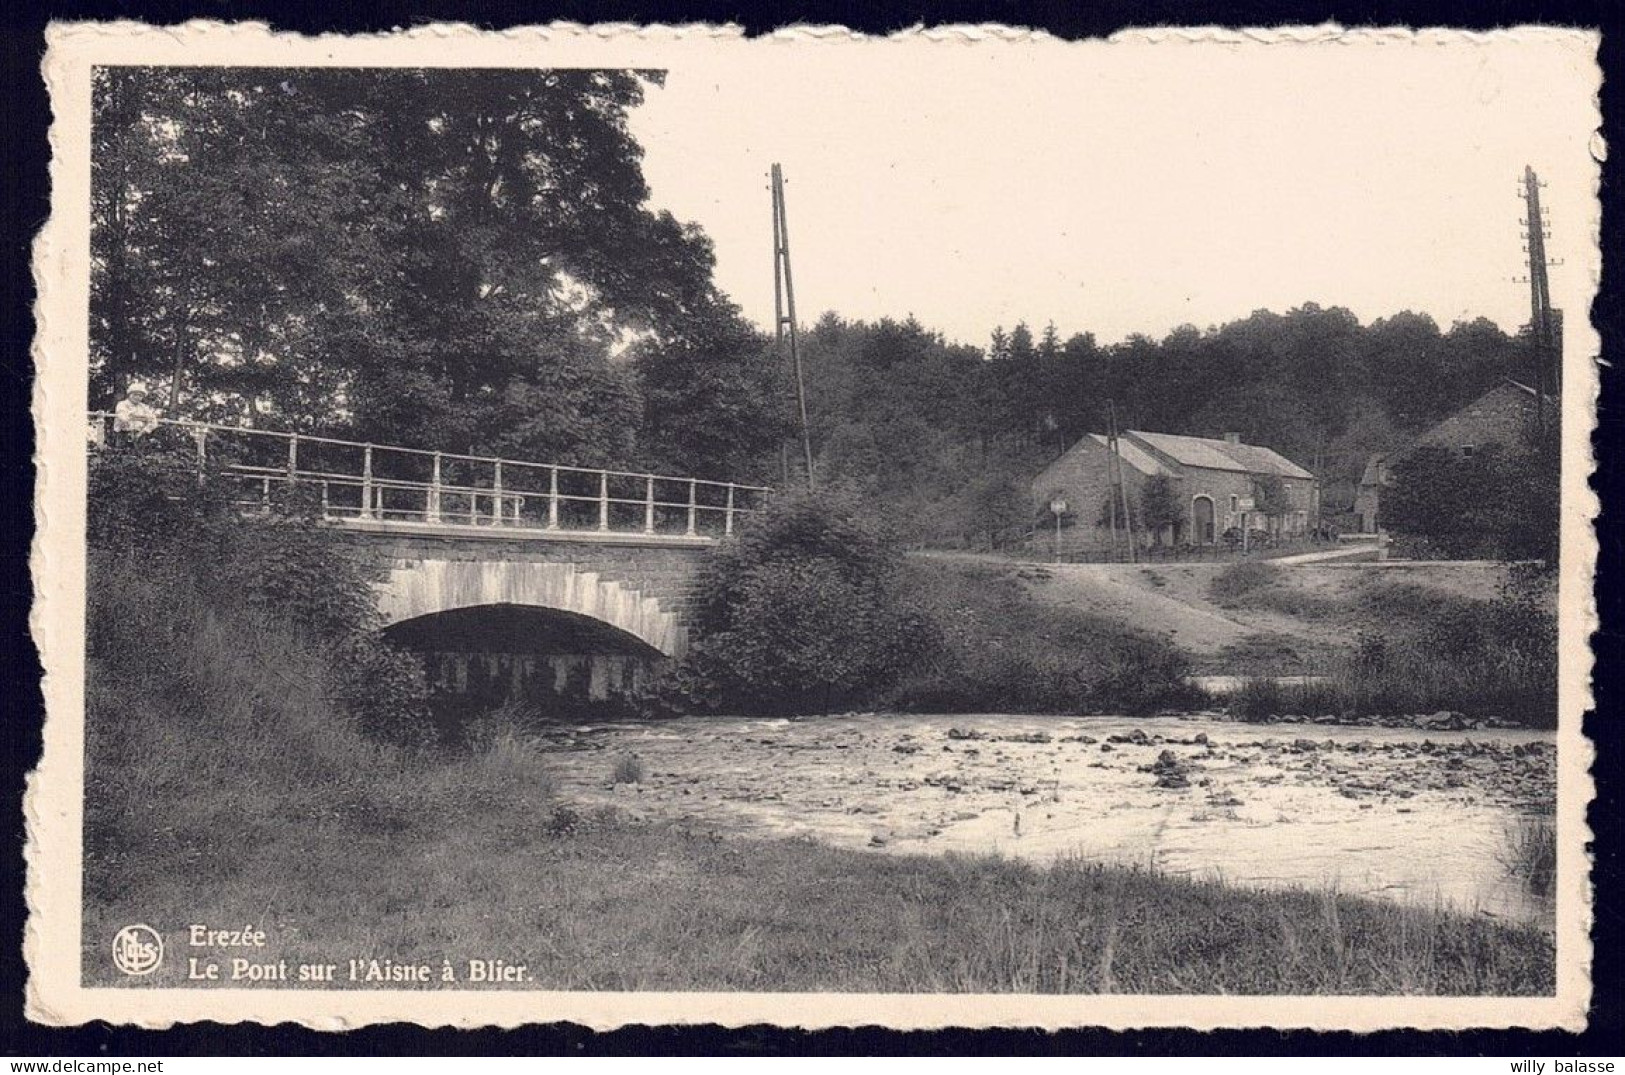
(1346, 553)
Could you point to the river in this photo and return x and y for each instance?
(1384, 812)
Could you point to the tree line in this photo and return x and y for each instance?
(946, 436)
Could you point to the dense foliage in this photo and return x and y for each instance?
(803, 612)
(237, 701)
(1484, 659)
(1500, 502)
(994, 649)
(155, 530)
(420, 256)
(813, 607)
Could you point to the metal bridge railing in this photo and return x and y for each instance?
(385, 483)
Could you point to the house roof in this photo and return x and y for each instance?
(1133, 455)
(1217, 454)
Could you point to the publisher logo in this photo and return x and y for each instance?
(137, 949)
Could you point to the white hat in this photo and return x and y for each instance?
(136, 389)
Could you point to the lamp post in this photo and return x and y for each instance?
(1057, 508)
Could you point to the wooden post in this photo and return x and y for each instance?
(293, 458)
(728, 515)
(649, 506)
(202, 435)
(693, 487)
(265, 495)
(603, 500)
(366, 482)
(552, 498)
(432, 514)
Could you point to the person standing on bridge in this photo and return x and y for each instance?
(134, 417)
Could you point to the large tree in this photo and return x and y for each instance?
(443, 257)
(715, 402)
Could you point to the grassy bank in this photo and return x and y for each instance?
(226, 789)
(995, 649)
(595, 903)
(1411, 650)
(223, 794)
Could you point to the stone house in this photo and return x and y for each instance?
(1216, 484)
(1501, 417)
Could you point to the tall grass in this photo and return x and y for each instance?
(1430, 652)
(1263, 586)
(212, 732)
(1530, 854)
(600, 903)
(1418, 682)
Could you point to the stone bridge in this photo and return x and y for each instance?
(642, 585)
(498, 572)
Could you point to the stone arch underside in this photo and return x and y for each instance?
(423, 587)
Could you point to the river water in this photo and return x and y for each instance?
(1384, 812)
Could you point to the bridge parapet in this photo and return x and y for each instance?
(374, 487)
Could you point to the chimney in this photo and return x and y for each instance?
(1232, 438)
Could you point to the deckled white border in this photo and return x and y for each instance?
(54, 799)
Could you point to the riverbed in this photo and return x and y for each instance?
(1394, 813)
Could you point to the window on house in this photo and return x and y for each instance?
(1235, 502)
(1467, 451)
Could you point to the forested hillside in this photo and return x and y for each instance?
(946, 436)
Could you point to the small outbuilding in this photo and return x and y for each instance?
(1501, 418)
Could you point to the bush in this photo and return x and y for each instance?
(1500, 502)
(993, 649)
(1486, 659)
(206, 729)
(1260, 585)
(801, 612)
(1241, 580)
(149, 516)
(628, 769)
(215, 730)
(813, 607)
(1257, 698)
(234, 687)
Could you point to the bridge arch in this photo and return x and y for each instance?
(416, 588)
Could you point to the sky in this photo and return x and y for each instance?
(1132, 187)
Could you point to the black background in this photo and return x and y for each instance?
(24, 198)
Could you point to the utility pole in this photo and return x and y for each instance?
(784, 314)
(1542, 323)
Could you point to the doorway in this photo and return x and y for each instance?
(1202, 519)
